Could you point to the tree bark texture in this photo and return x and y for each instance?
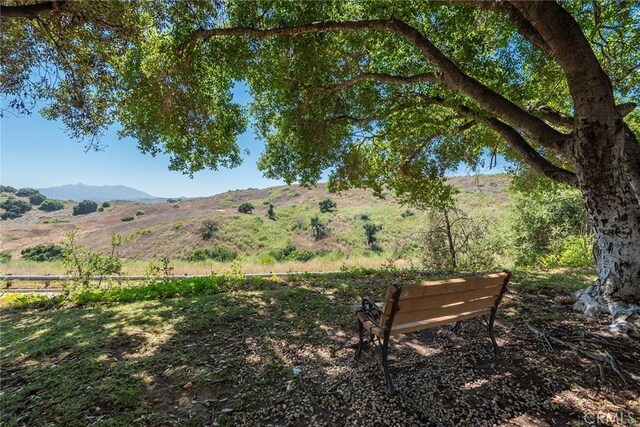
(606, 177)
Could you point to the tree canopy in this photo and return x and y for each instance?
(382, 94)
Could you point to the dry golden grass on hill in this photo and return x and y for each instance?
(173, 229)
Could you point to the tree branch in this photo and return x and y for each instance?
(523, 26)
(518, 143)
(407, 161)
(386, 78)
(529, 154)
(451, 76)
(552, 116)
(496, 104)
(589, 85)
(560, 119)
(30, 10)
(626, 108)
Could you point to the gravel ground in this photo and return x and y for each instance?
(281, 354)
(449, 379)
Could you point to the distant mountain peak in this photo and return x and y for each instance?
(98, 193)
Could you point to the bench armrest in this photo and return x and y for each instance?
(372, 310)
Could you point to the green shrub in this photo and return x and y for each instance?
(173, 200)
(41, 253)
(245, 208)
(327, 206)
(408, 213)
(318, 229)
(291, 253)
(26, 192)
(364, 217)
(127, 218)
(15, 208)
(370, 231)
(50, 205)
(138, 233)
(539, 223)
(106, 204)
(83, 263)
(271, 214)
(220, 254)
(5, 256)
(36, 199)
(7, 189)
(266, 259)
(100, 209)
(282, 254)
(208, 228)
(575, 251)
(302, 255)
(85, 207)
(140, 213)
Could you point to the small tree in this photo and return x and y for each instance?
(36, 199)
(208, 228)
(245, 208)
(271, 214)
(370, 230)
(106, 204)
(50, 205)
(327, 205)
(41, 253)
(26, 192)
(83, 263)
(14, 208)
(7, 189)
(452, 240)
(85, 207)
(318, 229)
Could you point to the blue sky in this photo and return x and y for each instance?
(35, 152)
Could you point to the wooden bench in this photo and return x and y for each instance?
(427, 305)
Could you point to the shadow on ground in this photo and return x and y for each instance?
(229, 358)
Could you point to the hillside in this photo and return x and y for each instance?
(98, 193)
(173, 229)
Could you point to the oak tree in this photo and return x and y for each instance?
(383, 94)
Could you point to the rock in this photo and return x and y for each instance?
(188, 385)
(227, 410)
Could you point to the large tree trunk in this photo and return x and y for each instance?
(614, 211)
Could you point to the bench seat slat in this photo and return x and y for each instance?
(403, 316)
(404, 328)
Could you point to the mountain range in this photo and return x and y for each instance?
(98, 193)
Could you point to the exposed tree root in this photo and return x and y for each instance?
(606, 359)
(625, 318)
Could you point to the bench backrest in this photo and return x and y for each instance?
(436, 303)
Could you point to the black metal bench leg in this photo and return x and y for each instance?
(456, 327)
(385, 365)
(496, 349)
(361, 339)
